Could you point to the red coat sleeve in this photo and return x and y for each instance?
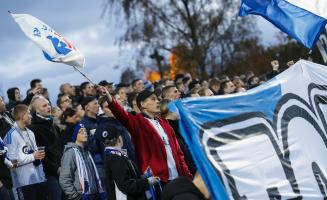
(122, 116)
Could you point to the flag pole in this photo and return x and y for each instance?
(84, 75)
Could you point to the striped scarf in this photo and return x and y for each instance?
(84, 178)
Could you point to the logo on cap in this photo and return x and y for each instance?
(104, 134)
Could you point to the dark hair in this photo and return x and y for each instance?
(222, 86)
(34, 82)
(134, 81)
(118, 89)
(69, 112)
(214, 81)
(83, 86)
(11, 93)
(179, 76)
(131, 97)
(185, 79)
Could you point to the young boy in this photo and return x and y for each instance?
(28, 178)
(124, 180)
(79, 178)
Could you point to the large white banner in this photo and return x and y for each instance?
(267, 143)
(55, 47)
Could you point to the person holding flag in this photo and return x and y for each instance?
(154, 139)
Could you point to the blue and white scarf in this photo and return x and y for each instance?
(84, 178)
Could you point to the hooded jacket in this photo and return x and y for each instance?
(12, 100)
(69, 178)
(47, 135)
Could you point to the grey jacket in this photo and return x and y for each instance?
(68, 177)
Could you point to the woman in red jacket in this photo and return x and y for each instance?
(154, 139)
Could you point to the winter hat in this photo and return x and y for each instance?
(87, 100)
(142, 96)
(148, 85)
(110, 133)
(76, 130)
(105, 83)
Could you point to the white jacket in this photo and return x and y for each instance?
(20, 144)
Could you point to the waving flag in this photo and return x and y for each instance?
(55, 47)
(303, 20)
(267, 143)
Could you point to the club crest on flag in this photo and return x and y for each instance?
(55, 47)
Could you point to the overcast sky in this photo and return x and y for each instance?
(80, 22)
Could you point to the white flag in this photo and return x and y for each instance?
(55, 47)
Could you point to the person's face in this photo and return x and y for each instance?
(88, 91)
(208, 93)
(229, 88)
(173, 93)
(43, 107)
(122, 94)
(38, 85)
(65, 102)
(151, 104)
(106, 110)
(92, 107)
(79, 113)
(26, 118)
(109, 88)
(82, 135)
(56, 112)
(69, 90)
(2, 105)
(17, 95)
(255, 81)
(181, 88)
(239, 83)
(139, 86)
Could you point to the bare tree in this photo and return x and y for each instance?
(209, 28)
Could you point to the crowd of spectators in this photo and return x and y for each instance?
(104, 141)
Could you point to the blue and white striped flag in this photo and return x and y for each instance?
(267, 143)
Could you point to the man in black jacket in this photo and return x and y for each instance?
(5, 178)
(47, 135)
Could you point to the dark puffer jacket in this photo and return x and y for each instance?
(47, 135)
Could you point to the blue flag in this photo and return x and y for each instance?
(267, 143)
(303, 20)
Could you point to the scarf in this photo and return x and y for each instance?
(84, 178)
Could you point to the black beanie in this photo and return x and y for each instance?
(142, 96)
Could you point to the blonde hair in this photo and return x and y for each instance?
(19, 111)
(35, 98)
